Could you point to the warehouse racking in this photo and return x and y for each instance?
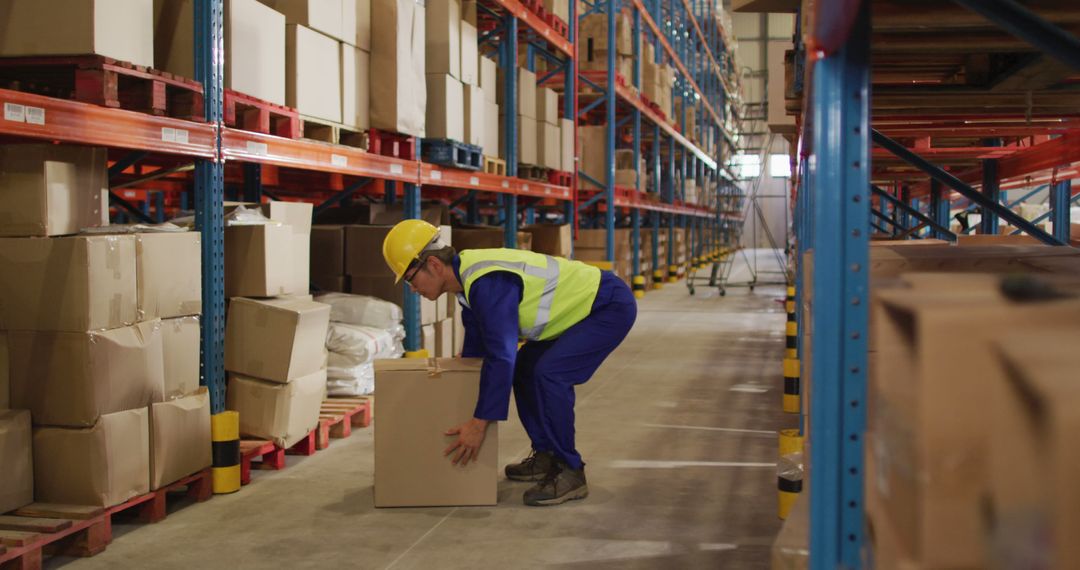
(932, 127)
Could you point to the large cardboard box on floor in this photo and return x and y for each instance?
(418, 400)
(103, 465)
(277, 340)
(312, 73)
(930, 430)
(258, 261)
(180, 354)
(283, 413)
(179, 438)
(297, 216)
(355, 88)
(399, 98)
(442, 47)
(445, 102)
(254, 45)
(1035, 402)
(16, 460)
(50, 190)
(120, 29)
(474, 115)
(71, 379)
(169, 274)
(326, 16)
(73, 284)
(551, 239)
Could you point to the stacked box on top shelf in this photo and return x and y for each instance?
(527, 123)
(492, 117)
(399, 98)
(593, 47)
(549, 135)
(118, 30)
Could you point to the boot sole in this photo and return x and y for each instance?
(576, 494)
(526, 478)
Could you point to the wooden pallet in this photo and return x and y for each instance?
(263, 454)
(250, 114)
(560, 178)
(39, 529)
(338, 416)
(533, 172)
(558, 24)
(494, 166)
(334, 133)
(392, 144)
(104, 81)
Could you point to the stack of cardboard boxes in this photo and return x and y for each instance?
(453, 77)
(100, 338)
(526, 106)
(593, 44)
(492, 115)
(591, 246)
(119, 30)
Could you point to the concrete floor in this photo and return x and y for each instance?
(677, 429)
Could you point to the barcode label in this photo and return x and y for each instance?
(14, 112)
(525, 187)
(396, 169)
(436, 175)
(506, 184)
(339, 160)
(168, 134)
(547, 191)
(260, 149)
(181, 136)
(35, 115)
(474, 181)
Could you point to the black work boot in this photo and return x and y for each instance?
(561, 484)
(532, 468)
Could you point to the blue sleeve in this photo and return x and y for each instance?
(494, 299)
(473, 346)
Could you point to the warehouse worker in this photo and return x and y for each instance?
(571, 315)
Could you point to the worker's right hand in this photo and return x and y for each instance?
(470, 437)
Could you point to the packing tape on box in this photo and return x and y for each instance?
(225, 438)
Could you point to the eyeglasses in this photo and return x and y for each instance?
(416, 267)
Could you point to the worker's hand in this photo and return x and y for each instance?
(470, 436)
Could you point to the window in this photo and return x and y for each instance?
(746, 166)
(779, 166)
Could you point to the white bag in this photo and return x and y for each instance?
(364, 311)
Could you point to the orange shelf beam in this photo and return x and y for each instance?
(539, 26)
(434, 175)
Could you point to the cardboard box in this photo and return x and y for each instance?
(489, 77)
(363, 250)
(566, 146)
(474, 115)
(547, 106)
(169, 274)
(16, 459)
(254, 45)
(492, 131)
(549, 143)
(446, 99)
(297, 215)
(551, 239)
(399, 98)
(71, 379)
(120, 29)
(312, 73)
(593, 145)
(355, 70)
(327, 251)
(470, 55)
(278, 340)
(76, 284)
(930, 433)
(103, 465)
(598, 239)
(50, 190)
(428, 340)
(443, 38)
(326, 16)
(1035, 404)
(258, 261)
(339, 283)
(444, 339)
(282, 413)
(5, 379)
(560, 8)
(527, 139)
(179, 438)
(418, 400)
(478, 237)
(180, 354)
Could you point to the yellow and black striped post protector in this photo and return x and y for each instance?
(791, 357)
(658, 279)
(225, 438)
(789, 471)
(639, 286)
(673, 274)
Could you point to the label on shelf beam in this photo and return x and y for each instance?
(256, 148)
(505, 183)
(35, 115)
(339, 160)
(174, 135)
(396, 169)
(547, 191)
(475, 181)
(436, 175)
(14, 112)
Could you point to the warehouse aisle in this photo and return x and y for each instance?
(676, 428)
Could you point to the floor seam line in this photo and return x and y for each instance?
(421, 539)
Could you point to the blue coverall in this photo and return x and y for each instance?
(543, 373)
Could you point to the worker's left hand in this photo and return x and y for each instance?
(470, 437)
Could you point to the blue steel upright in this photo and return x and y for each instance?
(988, 224)
(840, 176)
(1060, 200)
(209, 198)
(609, 141)
(635, 214)
(509, 62)
(411, 306)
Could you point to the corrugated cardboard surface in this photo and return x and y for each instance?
(474, 115)
(72, 283)
(442, 47)
(169, 267)
(104, 465)
(327, 251)
(566, 146)
(470, 56)
(492, 118)
(444, 338)
(399, 98)
(527, 139)
(179, 438)
(16, 460)
(428, 341)
(547, 106)
(297, 215)
(551, 240)
(5, 378)
(363, 247)
(312, 73)
(283, 413)
(526, 91)
(549, 143)
(120, 29)
(180, 353)
(277, 340)
(71, 379)
(489, 75)
(418, 401)
(325, 16)
(355, 70)
(445, 102)
(356, 15)
(49, 190)
(258, 261)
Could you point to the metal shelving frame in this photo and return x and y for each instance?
(834, 213)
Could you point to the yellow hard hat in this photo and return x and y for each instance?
(404, 243)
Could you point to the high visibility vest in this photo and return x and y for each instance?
(558, 293)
